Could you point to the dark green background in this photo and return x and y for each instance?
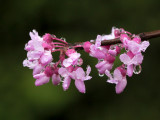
(76, 21)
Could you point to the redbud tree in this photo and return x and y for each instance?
(104, 48)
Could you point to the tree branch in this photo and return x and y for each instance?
(143, 36)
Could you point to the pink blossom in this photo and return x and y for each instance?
(46, 58)
(34, 55)
(80, 76)
(40, 50)
(118, 78)
(130, 60)
(114, 51)
(96, 50)
(41, 79)
(56, 79)
(66, 73)
(30, 64)
(135, 48)
(104, 65)
(66, 83)
(72, 60)
(125, 39)
(37, 69)
(35, 43)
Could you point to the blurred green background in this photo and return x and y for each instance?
(76, 21)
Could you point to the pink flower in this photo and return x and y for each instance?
(96, 50)
(135, 48)
(40, 50)
(130, 60)
(125, 39)
(41, 79)
(72, 60)
(34, 55)
(35, 43)
(46, 58)
(37, 69)
(118, 78)
(56, 79)
(102, 66)
(30, 64)
(114, 51)
(64, 72)
(80, 76)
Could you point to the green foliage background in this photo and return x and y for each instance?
(76, 21)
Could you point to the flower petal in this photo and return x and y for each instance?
(42, 80)
(121, 85)
(125, 58)
(66, 83)
(56, 79)
(117, 75)
(144, 45)
(80, 86)
(130, 70)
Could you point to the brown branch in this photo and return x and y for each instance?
(143, 36)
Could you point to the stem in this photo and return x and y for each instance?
(58, 46)
(143, 36)
(60, 40)
(54, 43)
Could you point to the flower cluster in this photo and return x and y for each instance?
(39, 58)
(131, 60)
(68, 67)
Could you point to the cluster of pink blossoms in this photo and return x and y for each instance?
(39, 58)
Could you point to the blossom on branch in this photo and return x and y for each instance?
(69, 66)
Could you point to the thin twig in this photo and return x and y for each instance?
(143, 36)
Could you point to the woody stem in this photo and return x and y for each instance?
(143, 36)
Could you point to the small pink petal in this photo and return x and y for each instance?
(80, 74)
(63, 72)
(108, 74)
(80, 86)
(137, 59)
(121, 85)
(56, 79)
(37, 69)
(130, 70)
(88, 70)
(66, 83)
(134, 47)
(42, 80)
(125, 58)
(46, 58)
(100, 64)
(67, 62)
(117, 74)
(144, 45)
